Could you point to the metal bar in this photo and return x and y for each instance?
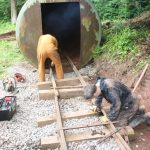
(85, 126)
(109, 135)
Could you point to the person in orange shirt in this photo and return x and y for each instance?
(48, 48)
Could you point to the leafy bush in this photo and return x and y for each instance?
(107, 9)
(121, 42)
(120, 9)
(5, 8)
(6, 27)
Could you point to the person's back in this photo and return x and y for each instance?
(48, 48)
(46, 43)
(112, 88)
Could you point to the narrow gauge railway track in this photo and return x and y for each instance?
(56, 89)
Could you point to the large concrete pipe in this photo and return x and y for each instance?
(74, 23)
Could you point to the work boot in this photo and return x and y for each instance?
(141, 110)
(147, 117)
(137, 120)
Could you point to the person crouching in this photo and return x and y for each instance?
(123, 104)
(48, 48)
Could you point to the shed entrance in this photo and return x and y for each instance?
(62, 20)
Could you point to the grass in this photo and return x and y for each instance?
(121, 42)
(6, 27)
(140, 65)
(9, 54)
(9, 50)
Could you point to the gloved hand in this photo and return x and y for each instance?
(95, 109)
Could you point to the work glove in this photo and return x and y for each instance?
(95, 109)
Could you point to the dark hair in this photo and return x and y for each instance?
(89, 90)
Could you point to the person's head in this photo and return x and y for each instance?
(89, 91)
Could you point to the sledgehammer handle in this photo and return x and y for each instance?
(138, 82)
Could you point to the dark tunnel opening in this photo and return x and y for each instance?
(62, 20)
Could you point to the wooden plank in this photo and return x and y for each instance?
(60, 83)
(77, 72)
(52, 118)
(50, 142)
(64, 93)
(58, 116)
(121, 143)
(42, 121)
(141, 76)
(53, 141)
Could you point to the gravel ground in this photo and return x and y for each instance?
(22, 133)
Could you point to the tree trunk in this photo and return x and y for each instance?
(13, 12)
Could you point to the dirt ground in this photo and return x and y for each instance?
(8, 36)
(124, 73)
(143, 131)
(142, 138)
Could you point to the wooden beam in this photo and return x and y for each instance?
(64, 93)
(63, 82)
(121, 142)
(62, 139)
(76, 72)
(141, 76)
(53, 141)
(52, 118)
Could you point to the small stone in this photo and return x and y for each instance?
(141, 133)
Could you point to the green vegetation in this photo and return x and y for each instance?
(6, 27)
(9, 51)
(5, 8)
(120, 40)
(120, 9)
(9, 54)
(124, 44)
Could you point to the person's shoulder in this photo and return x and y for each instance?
(100, 78)
(100, 81)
